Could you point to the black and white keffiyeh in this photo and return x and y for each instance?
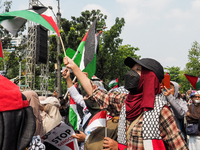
(150, 121)
(121, 134)
(120, 89)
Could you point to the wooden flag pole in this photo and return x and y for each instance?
(105, 131)
(62, 45)
(67, 90)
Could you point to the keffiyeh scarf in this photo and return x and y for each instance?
(150, 124)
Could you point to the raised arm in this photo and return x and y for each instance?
(85, 81)
(78, 98)
(113, 102)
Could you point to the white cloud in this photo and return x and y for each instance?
(170, 60)
(178, 13)
(129, 2)
(157, 5)
(142, 11)
(196, 4)
(22, 6)
(132, 15)
(179, 28)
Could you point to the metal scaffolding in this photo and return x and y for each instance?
(31, 57)
(44, 76)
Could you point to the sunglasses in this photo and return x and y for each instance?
(196, 96)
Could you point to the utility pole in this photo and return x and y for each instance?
(58, 53)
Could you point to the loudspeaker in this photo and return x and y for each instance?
(41, 45)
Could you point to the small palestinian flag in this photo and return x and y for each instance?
(194, 80)
(14, 20)
(1, 51)
(74, 117)
(113, 84)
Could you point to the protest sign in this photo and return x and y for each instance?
(61, 137)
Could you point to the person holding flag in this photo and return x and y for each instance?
(94, 120)
(146, 122)
(178, 106)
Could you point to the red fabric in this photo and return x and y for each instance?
(158, 144)
(10, 97)
(122, 147)
(143, 99)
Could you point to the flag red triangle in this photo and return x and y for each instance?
(70, 145)
(192, 79)
(1, 51)
(117, 80)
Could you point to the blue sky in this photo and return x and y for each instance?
(161, 29)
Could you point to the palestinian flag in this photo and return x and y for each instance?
(88, 48)
(74, 117)
(1, 51)
(98, 120)
(113, 83)
(194, 80)
(14, 20)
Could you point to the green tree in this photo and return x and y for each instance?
(174, 73)
(193, 66)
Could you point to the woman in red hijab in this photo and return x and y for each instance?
(145, 120)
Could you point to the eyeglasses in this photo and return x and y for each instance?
(196, 96)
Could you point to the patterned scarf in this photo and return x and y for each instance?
(150, 124)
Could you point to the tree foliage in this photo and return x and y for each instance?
(174, 73)
(193, 66)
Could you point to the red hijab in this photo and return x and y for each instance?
(143, 99)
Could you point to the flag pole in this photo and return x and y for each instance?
(105, 131)
(62, 45)
(67, 90)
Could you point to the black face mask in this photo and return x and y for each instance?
(132, 79)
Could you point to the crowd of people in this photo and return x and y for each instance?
(141, 115)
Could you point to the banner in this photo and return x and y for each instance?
(61, 137)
